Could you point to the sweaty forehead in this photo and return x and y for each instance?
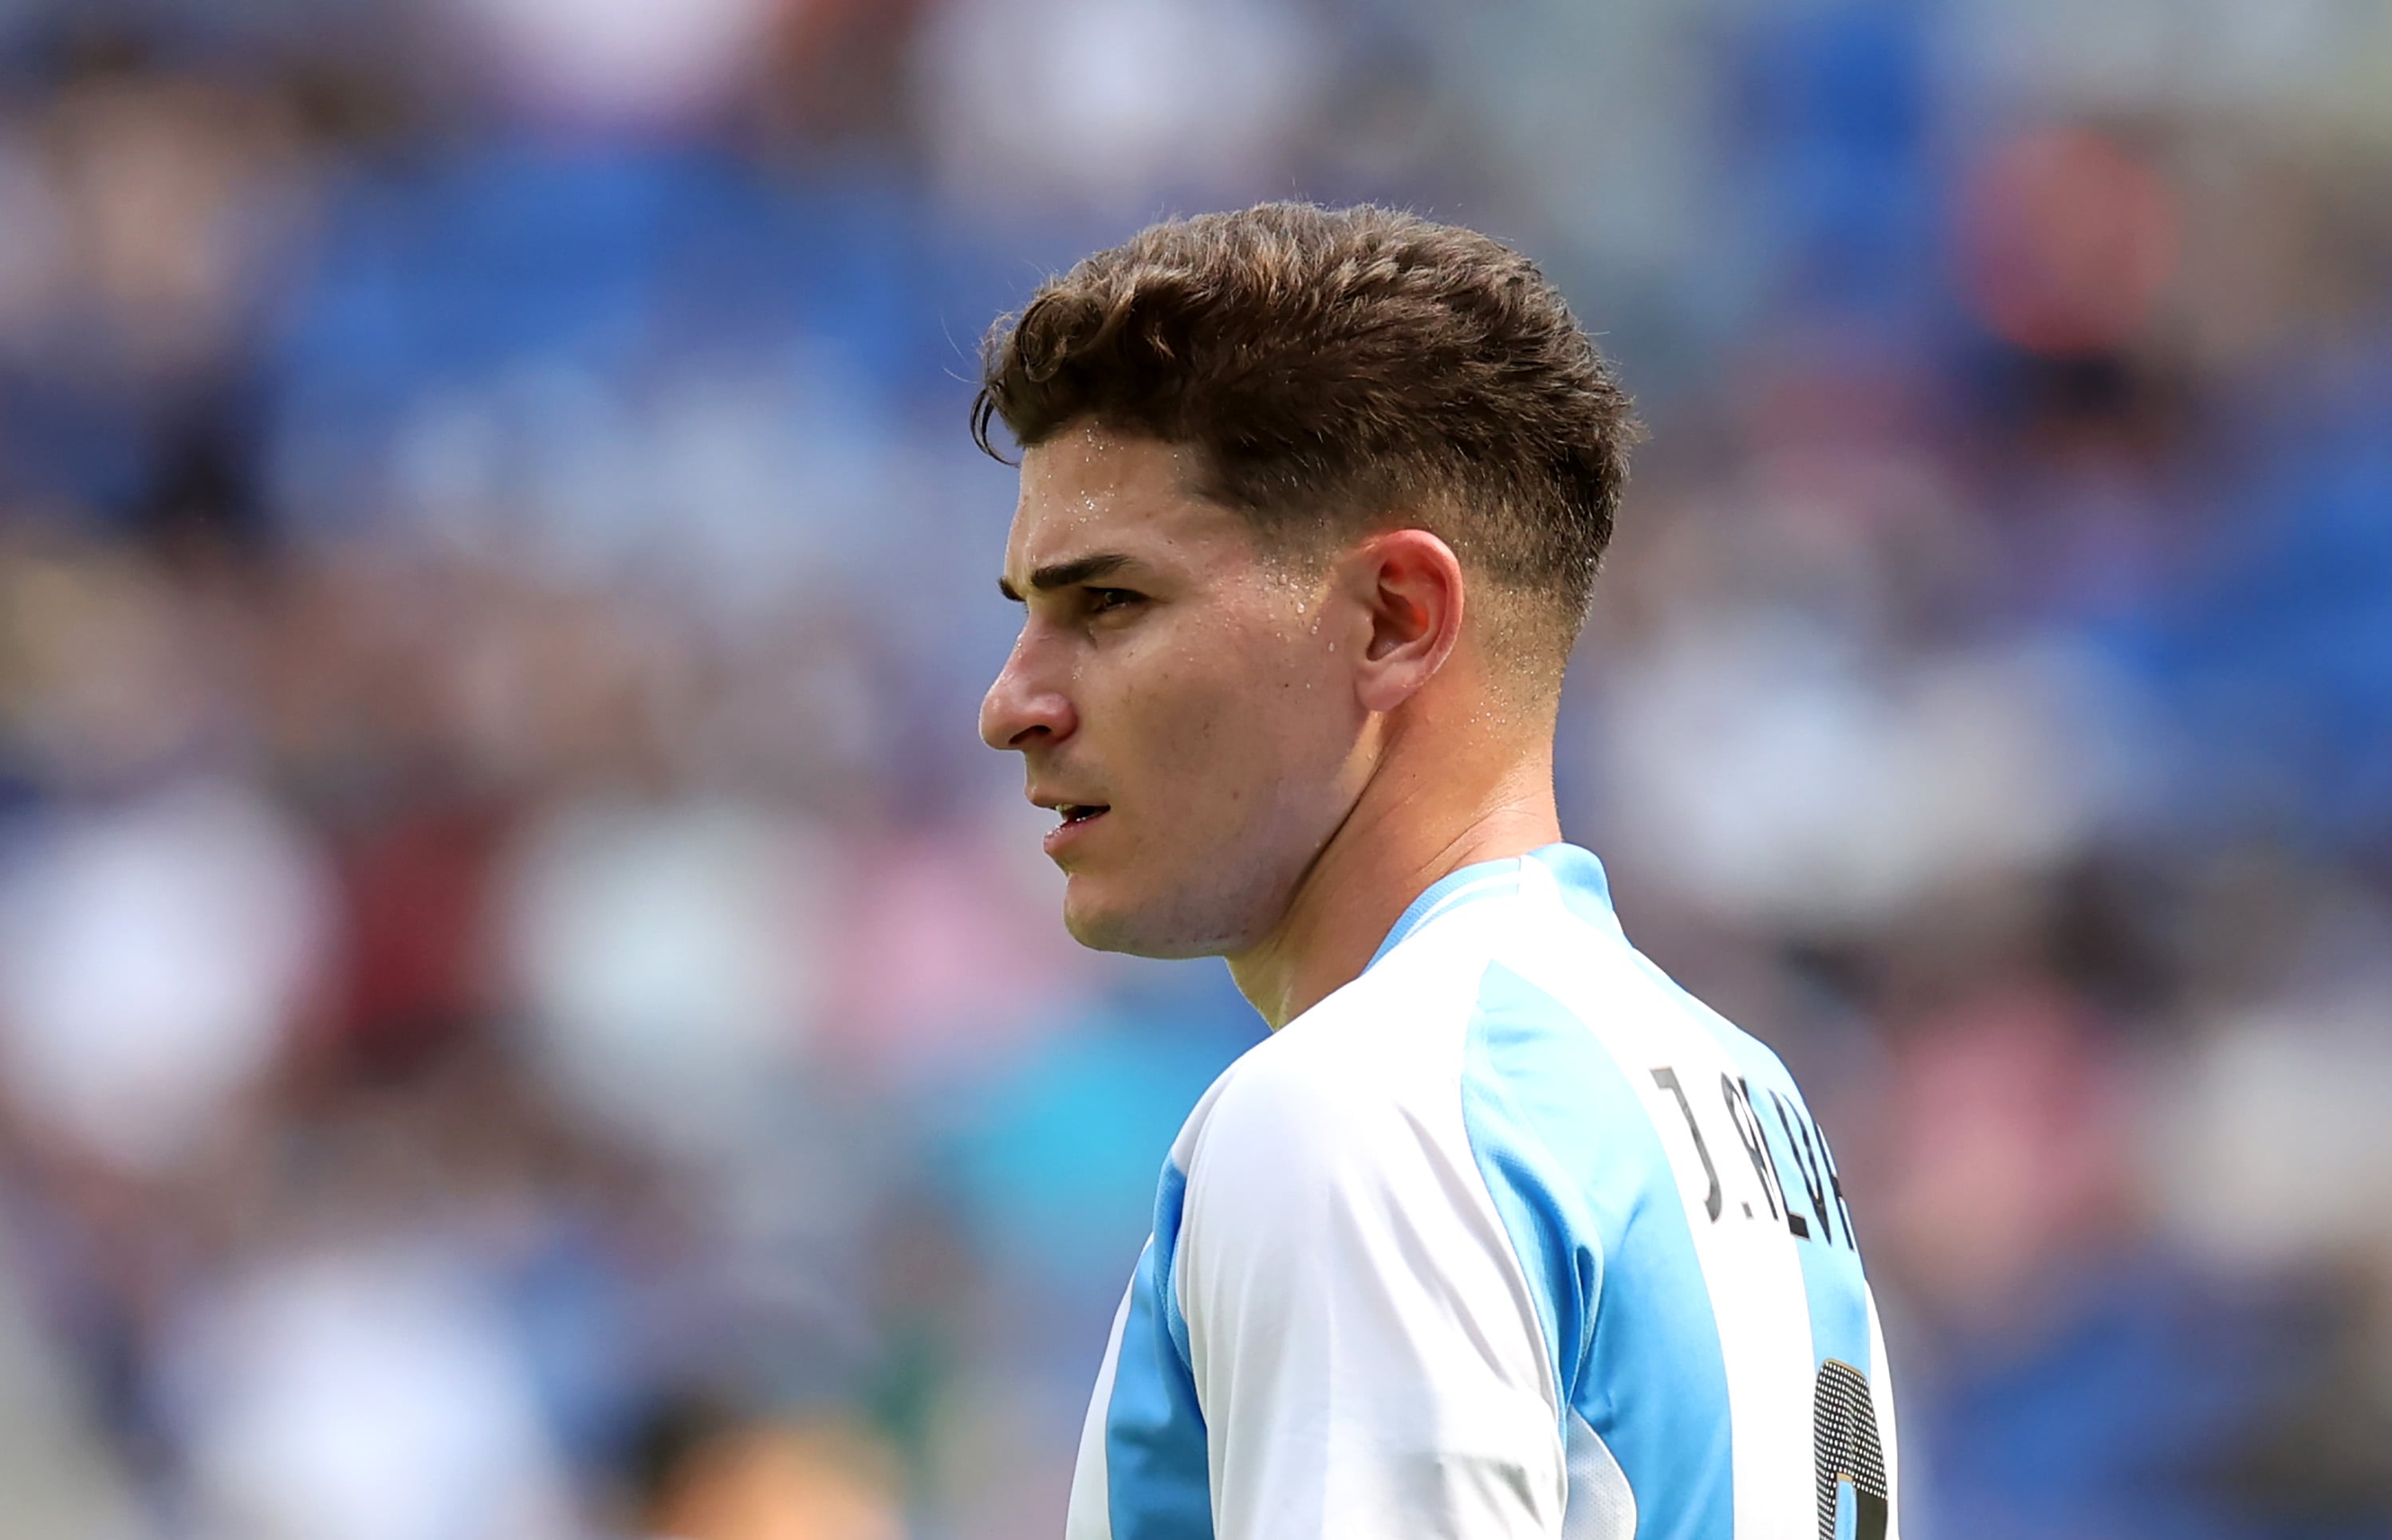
(1087, 489)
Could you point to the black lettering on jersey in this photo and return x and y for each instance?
(1756, 1142)
(1794, 1222)
(1806, 1160)
(1666, 1078)
(1836, 1186)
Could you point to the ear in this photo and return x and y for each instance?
(1408, 585)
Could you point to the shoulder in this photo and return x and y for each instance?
(1386, 1048)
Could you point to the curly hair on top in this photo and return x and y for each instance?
(1338, 369)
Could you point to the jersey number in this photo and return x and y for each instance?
(1849, 1450)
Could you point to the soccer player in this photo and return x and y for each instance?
(1501, 1233)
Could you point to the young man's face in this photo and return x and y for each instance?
(1184, 703)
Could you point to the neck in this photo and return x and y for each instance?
(1411, 826)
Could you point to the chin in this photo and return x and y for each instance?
(1158, 927)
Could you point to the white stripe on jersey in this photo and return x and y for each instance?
(1087, 1516)
(1881, 1390)
(1304, 1163)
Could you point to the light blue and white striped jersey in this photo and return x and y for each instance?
(1509, 1237)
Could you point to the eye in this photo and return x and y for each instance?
(1102, 600)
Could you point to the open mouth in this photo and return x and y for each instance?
(1080, 812)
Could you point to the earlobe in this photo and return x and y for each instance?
(1413, 589)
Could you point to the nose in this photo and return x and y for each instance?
(1021, 709)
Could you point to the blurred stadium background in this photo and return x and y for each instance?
(526, 1012)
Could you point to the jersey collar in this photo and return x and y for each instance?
(1575, 872)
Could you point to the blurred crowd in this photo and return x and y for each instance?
(527, 1014)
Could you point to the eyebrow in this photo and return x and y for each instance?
(1063, 574)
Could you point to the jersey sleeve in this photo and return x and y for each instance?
(1365, 1346)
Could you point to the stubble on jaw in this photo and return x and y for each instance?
(1225, 907)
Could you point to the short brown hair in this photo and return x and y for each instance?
(1332, 367)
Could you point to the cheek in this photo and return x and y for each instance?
(1234, 767)
(1248, 741)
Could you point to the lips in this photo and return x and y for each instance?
(1077, 819)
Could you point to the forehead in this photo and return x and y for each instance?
(1088, 489)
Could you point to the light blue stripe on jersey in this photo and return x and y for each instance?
(1833, 1289)
(1587, 1194)
(1160, 1486)
(1831, 1267)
